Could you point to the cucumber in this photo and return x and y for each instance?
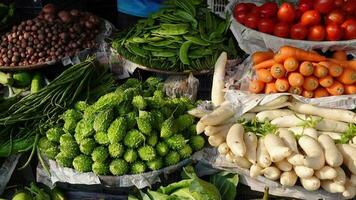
(6, 79)
(22, 79)
(36, 83)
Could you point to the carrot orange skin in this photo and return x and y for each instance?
(336, 89)
(306, 68)
(335, 70)
(264, 65)
(320, 71)
(340, 55)
(307, 94)
(351, 64)
(291, 64)
(256, 86)
(295, 90)
(348, 76)
(278, 71)
(321, 92)
(310, 83)
(261, 56)
(264, 75)
(326, 81)
(295, 79)
(300, 54)
(350, 89)
(270, 88)
(282, 85)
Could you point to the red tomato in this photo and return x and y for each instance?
(281, 30)
(305, 5)
(310, 18)
(298, 32)
(298, 14)
(339, 3)
(255, 10)
(286, 13)
(316, 33)
(336, 16)
(324, 6)
(241, 7)
(349, 28)
(350, 7)
(333, 32)
(241, 17)
(266, 25)
(269, 9)
(252, 21)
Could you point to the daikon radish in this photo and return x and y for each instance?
(223, 148)
(217, 93)
(219, 115)
(288, 139)
(272, 173)
(272, 114)
(333, 156)
(354, 140)
(284, 165)
(293, 120)
(349, 154)
(296, 159)
(350, 191)
(262, 108)
(340, 177)
(330, 125)
(310, 184)
(326, 173)
(263, 158)
(250, 140)
(248, 116)
(199, 113)
(299, 131)
(303, 172)
(327, 113)
(217, 139)
(353, 179)
(212, 130)
(275, 102)
(315, 158)
(288, 178)
(200, 127)
(235, 140)
(333, 135)
(255, 170)
(240, 161)
(276, 148)
(332, 187)
(229, 157)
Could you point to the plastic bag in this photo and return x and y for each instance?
(182, 86)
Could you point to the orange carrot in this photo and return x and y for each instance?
(291, 64)
(261, 56)
(265, 64)
(326, 81)
(340, 55)
(310, 83)
(307, 94)
(295, 79)
(320, 71)
(351, 64)
(335, 70)
(336, 89)
(306, 68)
(300, 54)
(295, 90)
(282, 85)
(348, 76)
(264, 75)
(321, 92)
(256, 86)
(270, 88)
(350, 89)
(278, 71)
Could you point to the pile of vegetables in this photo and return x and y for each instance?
(132, 130)
(287, 141)
(183, 36)
(50, 36)
(314, 20)
(38, 192)
(303, 73)
(6, 13)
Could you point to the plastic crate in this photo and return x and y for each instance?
(218, 6)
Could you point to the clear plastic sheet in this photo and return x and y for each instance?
(182, 86)
(6, 170)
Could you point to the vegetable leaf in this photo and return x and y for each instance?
(188, 172)
(226, 183)
(202, 190)
(348, 134)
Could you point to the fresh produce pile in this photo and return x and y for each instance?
(314, 20)
(129, 131)
(6, 13)
(304, 73)
(38, 192)
(50, 36)
(285, 141)
(183, 36)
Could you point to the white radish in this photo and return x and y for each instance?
(340, 177)
(350, 191)
(303, 172)
(333, 156)
(288, 139)
(217, 139)
(212, 130)
(262, 108)
(272, 114)
(326, 173)
(217, 93)
(235, 140)
(349, 154)
(353, 179)
(327, 113)
(219, 115)
(200, 127)
(332, 187)
(223, 149)
(299, 131)
(255, 170)
(240, 161)
(263, 158)
(275, 102)
(199, 113)
(333, 135)
(330, 125)
(276, 148)
(293, 120)
(315, 158)
(250, 140)
(229, 157)
(288, 178)
(354, 140)
(296, 159)
(284, 165)
(272, 173)
(310, 184)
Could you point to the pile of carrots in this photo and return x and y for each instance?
(305, 73)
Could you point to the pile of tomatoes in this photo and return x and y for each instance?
(314, 20)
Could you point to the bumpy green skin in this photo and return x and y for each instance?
(177, 105)
(152, 140)
(134, 139)
(52, 152)
(103, 120)
(185, 152)
(147, 153)
(70, 150)
(124, 108)
(155, 164)
(82, 163)
(152, 82)
(119, 167)
(130, 155)
(117, 130)
(139, 102)
(116, 150)
(44, 144)
(138, 167)
(184, 122)
(66, 139)
(89, 114)
(166, 111)
(83, 130)
(108, 101)
(63, 160)
(172, 158)
(81, 106)
(53, 134)
(168, 128)
(130, 120)
(162, 148)
(176, 142)
(192, 130)
(197, 142)
(71, 118)
(158, 119)
(100, 154)
(100, 168)
(129, 93)
(87, 146)
(101, 138)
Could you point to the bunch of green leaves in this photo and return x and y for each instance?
(259, 128)
(348, 134)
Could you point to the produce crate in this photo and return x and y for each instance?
(218, 6)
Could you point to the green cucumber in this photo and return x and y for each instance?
(22, 79)
(6, 79)
(36, 83)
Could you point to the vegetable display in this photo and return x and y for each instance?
(292, 141)
(317, 20)
(38, 192)
(129, 131)
(303, 73)
(183, 36)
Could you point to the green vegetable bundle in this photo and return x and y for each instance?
(134, 129)
(183, 36)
